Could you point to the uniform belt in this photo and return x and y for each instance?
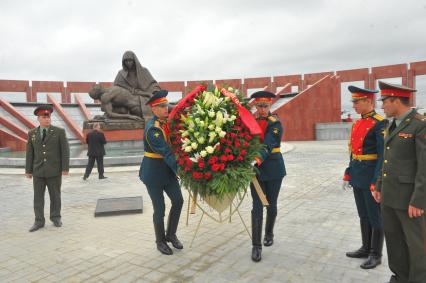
(372, 156)
(276, 149)
(152, 155)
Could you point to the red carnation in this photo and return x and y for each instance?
(240, 158)
(212, 160)
(233, 135)
(248, 137)
(187, 168)
(237, 144)
(224, 158)
(201, 164)
(222, 166)
(207, 175)
(197, 175)
(181, 161)
(245, 144)
(215, 167)
(227, 150)
(243, 152)
(230, 157)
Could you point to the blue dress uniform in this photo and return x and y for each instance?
(271, 173)
(366, 148)
(158, 172)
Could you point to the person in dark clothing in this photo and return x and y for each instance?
(95, 141)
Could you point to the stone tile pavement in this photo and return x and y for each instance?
(316, 224)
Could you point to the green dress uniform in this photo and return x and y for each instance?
(45, 160)
(403, 183)
(158, 173)
(271, 173)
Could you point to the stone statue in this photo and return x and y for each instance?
(124, 102)
(135, 78)
(119, 103)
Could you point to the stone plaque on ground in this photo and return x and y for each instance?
(118, 206)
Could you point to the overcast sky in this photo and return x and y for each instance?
(83, 40)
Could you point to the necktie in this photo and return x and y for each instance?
(44, 135)
(392, 126)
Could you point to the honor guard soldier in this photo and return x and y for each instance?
(366, 157)
(401, 187)
(158, 172)
(271, 173)
(46, 160)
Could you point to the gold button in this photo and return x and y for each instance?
(388, 147)
(44, 152)
(45, 160)
(44, 145)
(386, 161)
(384, 175)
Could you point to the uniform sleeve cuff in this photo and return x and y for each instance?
(346, 177)
(258, 161)
(373, 187)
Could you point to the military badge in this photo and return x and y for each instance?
(156, 135)
(405, 135)
(275, 130)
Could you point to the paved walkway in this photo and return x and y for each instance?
(316, 225)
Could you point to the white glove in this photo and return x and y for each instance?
(346, 186)
(254, 162)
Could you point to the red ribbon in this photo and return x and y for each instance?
(182, 102)
(246, 117)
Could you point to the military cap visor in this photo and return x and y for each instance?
(158, 98)
(361, 93)
(43, 110)
(394, 90)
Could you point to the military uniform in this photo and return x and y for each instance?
(158, 172)
(366, 158)
(403, 183)
(271, 173)
(46, 159)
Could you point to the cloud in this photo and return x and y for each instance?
(193, 40)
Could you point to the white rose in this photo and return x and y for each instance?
(212, 127)
(218, 130)
(194, 145)
(212, 114)
(201, 140)
(209, 149)
(188, 148)
(203, 153)
(222, 134)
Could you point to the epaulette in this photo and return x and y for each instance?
(273, 118)
(378, 117)
(157, 124)
(420, 117)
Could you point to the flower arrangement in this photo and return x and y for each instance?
(215, 139)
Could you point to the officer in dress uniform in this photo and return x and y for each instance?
(366, 149)
(47, 159)
(271, 173)
(401, 186)
(158, 172)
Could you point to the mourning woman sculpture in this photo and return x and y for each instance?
(135, 78)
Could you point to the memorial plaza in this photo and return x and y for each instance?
(317, 223)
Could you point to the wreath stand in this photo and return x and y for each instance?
(220, 205)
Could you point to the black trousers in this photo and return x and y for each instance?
(54, 186)
(271, 189)
(156, 194)
(91, 163)
(368, 209)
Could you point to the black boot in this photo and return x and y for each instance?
(256, 236)
(364, 251)
(160, 239)
(268, 240)
(172, 224)
(375, 257)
